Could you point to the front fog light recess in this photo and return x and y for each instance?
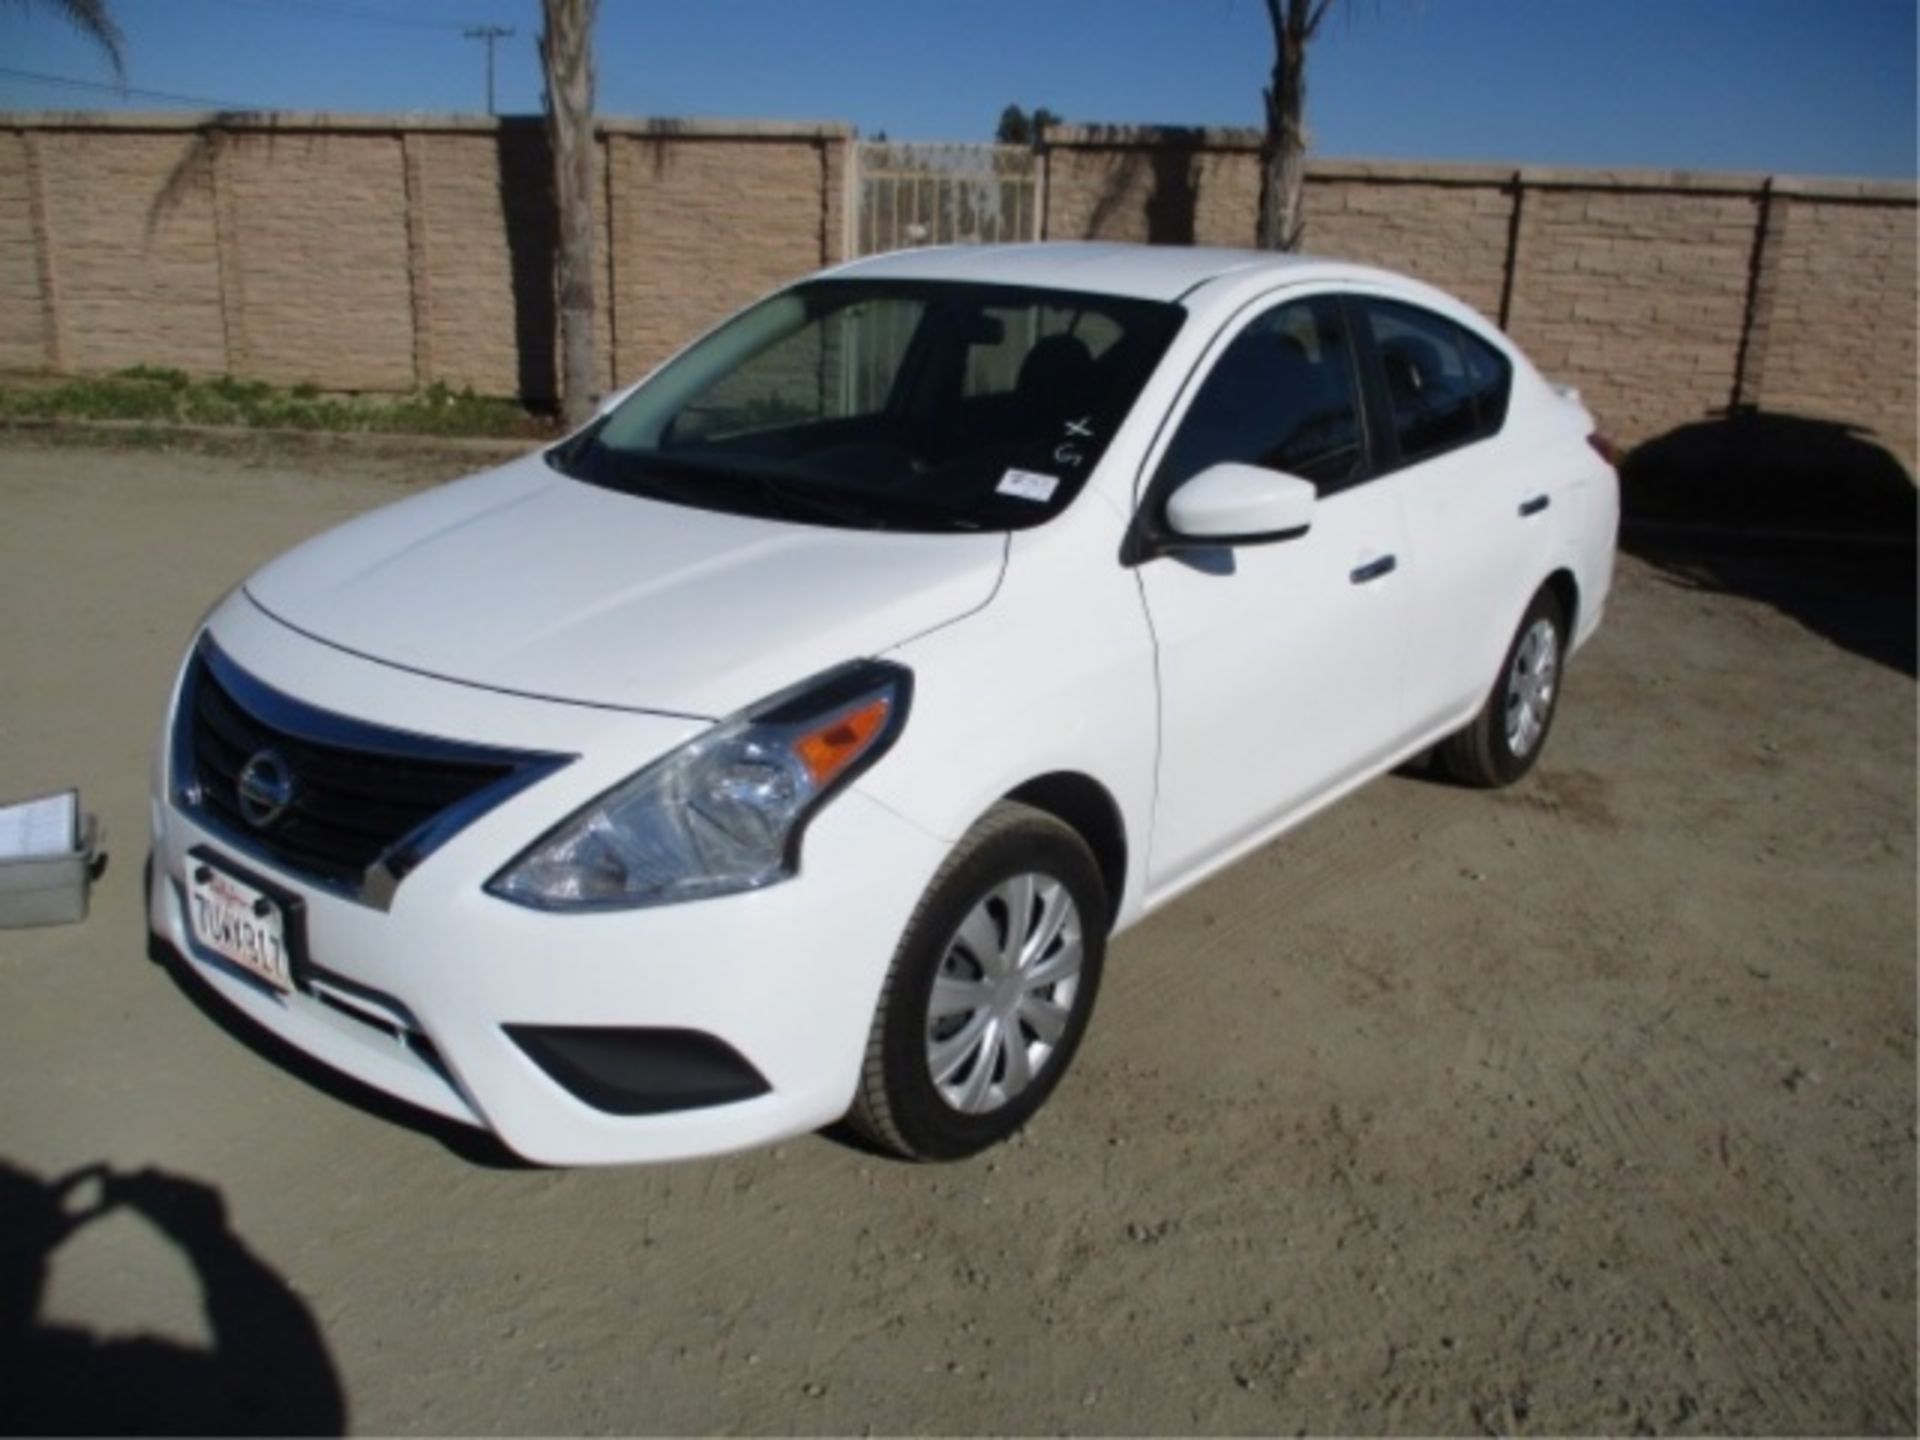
(724, 812)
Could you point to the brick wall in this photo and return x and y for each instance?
(1837, 310)
(131, 282)
(704, 227)
(1637, 296)
(365, 253)
(26, 338)
(380, 253)
(1663, 295)
(326, 302)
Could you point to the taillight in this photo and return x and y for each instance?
(1605, 449)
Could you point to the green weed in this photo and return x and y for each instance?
(154, 394)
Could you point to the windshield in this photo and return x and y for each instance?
(890, 405)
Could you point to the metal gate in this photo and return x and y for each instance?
(938, 194)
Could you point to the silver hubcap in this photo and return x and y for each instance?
(1530, 686)
(1004, 993)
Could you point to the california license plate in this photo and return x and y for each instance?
(238, 923)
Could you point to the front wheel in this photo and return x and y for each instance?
(990, 990)
(1507, 736)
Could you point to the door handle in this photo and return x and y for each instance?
(1373, 570)
(1534, 506)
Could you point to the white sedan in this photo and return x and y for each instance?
(789, 743)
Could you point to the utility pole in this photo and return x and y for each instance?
(488, 33)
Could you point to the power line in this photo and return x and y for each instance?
(71, 82)
(317, 9)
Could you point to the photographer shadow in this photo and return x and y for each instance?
(267, 1372)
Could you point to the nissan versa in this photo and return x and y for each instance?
(788, 743)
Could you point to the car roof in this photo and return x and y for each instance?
(1147, 272)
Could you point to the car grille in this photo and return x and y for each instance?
(367, 803)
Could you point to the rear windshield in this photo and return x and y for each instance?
(907, 405)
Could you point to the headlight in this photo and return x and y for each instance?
(725, 811)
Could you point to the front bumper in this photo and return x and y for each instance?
(418, 1000)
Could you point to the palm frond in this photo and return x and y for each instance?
(93, 20)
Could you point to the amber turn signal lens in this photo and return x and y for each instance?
(837, 744)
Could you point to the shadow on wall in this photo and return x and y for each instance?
(525, 162)
(268, 1371)
(526, 202)
(1169, 165)
(1810, 516)
(192, 173)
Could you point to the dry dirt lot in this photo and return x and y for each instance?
(1584, 1107)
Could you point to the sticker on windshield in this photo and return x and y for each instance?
(1028, 485)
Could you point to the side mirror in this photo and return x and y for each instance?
(1234, 504)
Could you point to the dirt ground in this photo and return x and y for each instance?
(1584, 1107)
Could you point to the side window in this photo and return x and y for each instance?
(1492, 380)
(1280, 396)
(1436, 381)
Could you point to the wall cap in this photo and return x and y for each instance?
(1225, 139)
(320, 120)
(1541, 177)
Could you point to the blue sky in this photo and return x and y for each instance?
(1791, 86)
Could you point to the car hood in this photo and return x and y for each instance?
(521, 579)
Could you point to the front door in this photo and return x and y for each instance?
(1280, 665)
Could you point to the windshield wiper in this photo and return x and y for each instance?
(800, 499)
(712, 484)
(665, 476)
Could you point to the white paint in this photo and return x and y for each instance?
(1217, 702)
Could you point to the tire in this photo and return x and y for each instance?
(1506, 737)
(941, 1086)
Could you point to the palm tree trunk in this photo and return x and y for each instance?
(566, 53)
(1282, 216)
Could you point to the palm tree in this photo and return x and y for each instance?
(91, 19)
(1284, 153)
(566, 54)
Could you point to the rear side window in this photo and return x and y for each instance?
(1445, 387)
(1492, 379)
(1282, 397)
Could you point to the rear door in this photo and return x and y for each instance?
(1478, 522)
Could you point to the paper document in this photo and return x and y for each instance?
(50, 825)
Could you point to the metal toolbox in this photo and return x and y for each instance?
(50, 889)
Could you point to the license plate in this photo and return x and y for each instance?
(238, 923)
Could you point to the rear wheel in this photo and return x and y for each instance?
(990, 990)
(1507, 736)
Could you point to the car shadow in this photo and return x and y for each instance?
(476, 1147)
(1812, 517)
(847, 1136)
(267, 1371)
